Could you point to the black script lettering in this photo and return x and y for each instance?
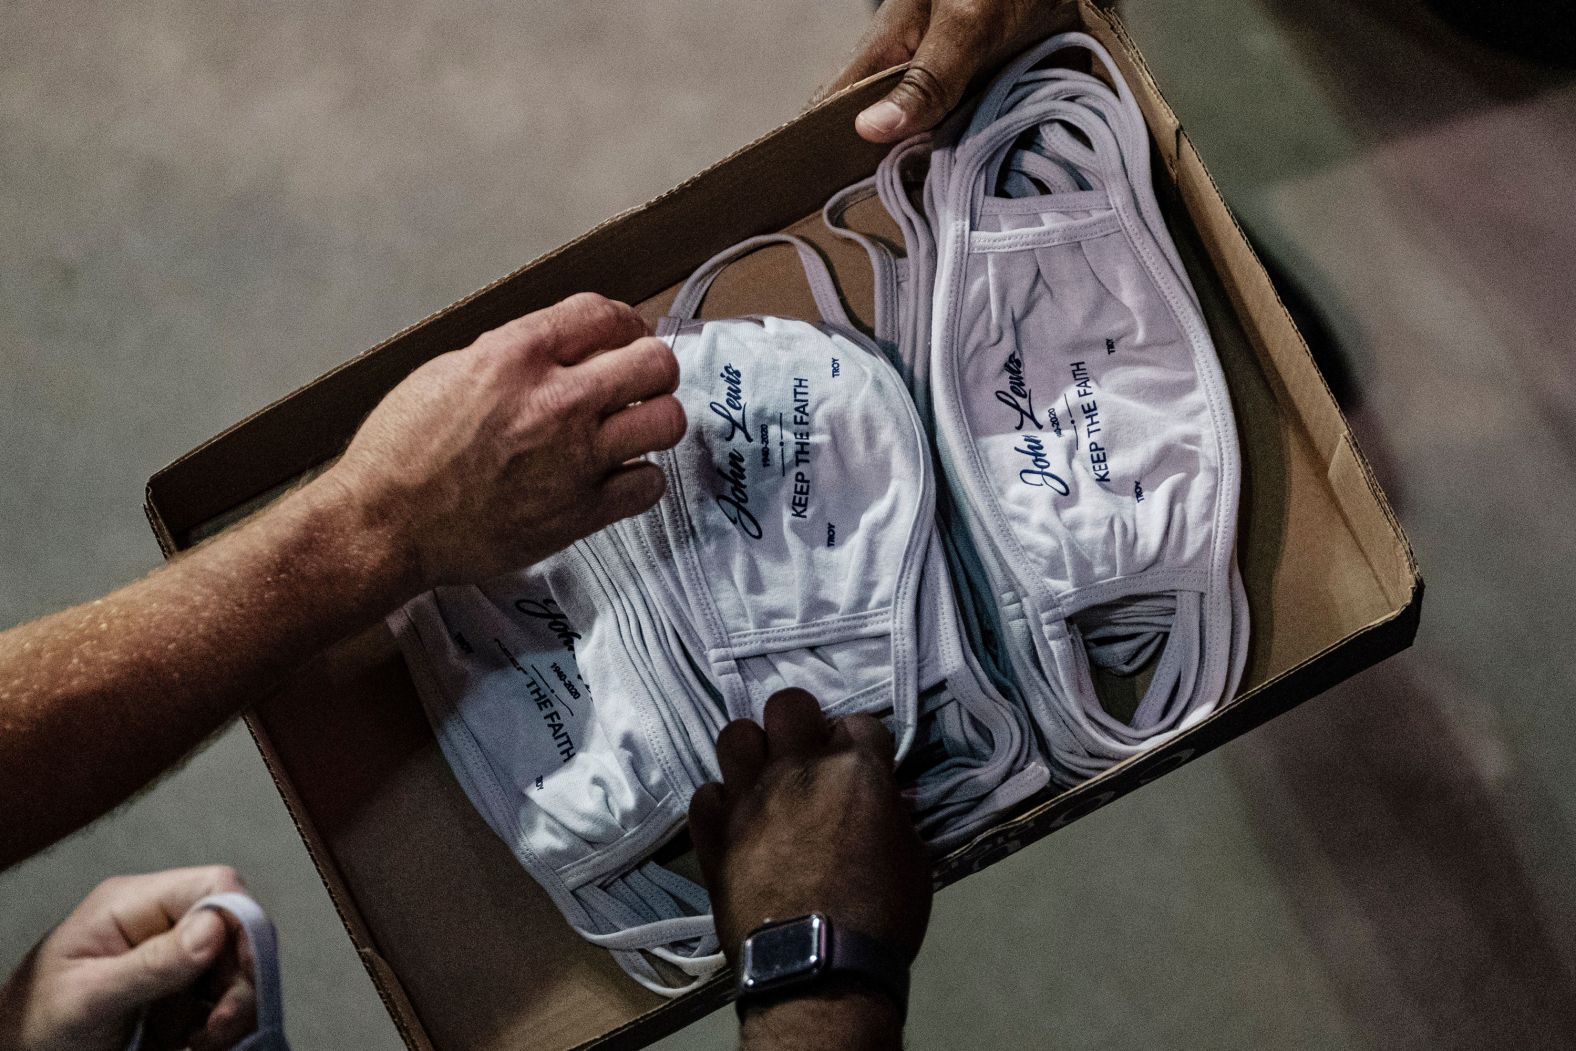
(546, 609)
(735, 503)
(1039, 475)
(1017, 397)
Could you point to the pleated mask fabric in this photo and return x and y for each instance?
(1088, 450)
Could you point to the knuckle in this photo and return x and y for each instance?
(564, 395)
(587, 302)
(846, 763)
(523, 332)
(109, 886)
(926, 88)
(501, 370)
(863, 720)
(856, 767)
(111, 890)
(225, 876)
(496, 357)
(484, 367)
(671, 422)
(970, 13)
(592, 309)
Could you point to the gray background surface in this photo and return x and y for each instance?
(203, 205)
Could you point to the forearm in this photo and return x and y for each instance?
(841, 1019)
(97, 700)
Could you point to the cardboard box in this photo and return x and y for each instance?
(467, 952)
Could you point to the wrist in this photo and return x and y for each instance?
(840, 1012)
(373, 535)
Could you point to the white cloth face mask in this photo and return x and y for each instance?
(1079, 411)
(582, 784)
(799, 506)
(798, 430)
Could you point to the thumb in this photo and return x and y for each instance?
(947, 59)
(162, 965)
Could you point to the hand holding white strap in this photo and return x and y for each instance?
(270, 1032)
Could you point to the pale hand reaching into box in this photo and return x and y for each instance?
(947, 43)
(484, 459)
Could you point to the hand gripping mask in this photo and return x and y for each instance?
(1079, 410)
(582, 775)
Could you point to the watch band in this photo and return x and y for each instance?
(846, 954)
(875, 961)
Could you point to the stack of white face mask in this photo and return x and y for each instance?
(579, 701)
(1040, 341)
(1057, 351)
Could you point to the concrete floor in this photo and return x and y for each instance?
(204, 204)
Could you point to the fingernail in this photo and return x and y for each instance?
(201, 933)
(883, 118)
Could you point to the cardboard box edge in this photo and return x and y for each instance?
(390, 992)
(160, 477)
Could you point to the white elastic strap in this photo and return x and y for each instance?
(883, 262)
(636, 935)
(687, 303)
(270, 1032)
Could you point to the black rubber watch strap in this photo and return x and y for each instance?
(861, 956)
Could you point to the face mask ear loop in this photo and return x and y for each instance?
(998, 96)
(883, 263)
(913, 302)
(270, 1032)
(824, 290)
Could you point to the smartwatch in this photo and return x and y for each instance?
(793, 956)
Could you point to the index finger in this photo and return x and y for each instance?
(795, 724)
(572, 330)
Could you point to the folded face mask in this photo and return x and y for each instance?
(1079, 412)
(799, 506)
(582, 776)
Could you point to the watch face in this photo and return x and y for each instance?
(784, 952)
